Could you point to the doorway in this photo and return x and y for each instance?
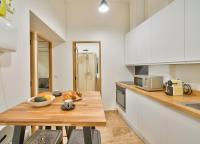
(87, 65)
(41, 64)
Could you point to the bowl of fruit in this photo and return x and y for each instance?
(73, 95)
(41, 100)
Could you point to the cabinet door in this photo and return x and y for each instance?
(182, 129)
(192, 21)
(152, 119)
(143, 42)
(168, 33)
(127, 49)
(132, 107)
(130, 52)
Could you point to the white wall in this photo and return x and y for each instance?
(141, 10)
(15, 67)
(91, 47)
(52, 13)
(43, 64)
(85, 23)
(153, 6)
(137, 12)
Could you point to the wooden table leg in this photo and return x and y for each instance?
(87, 132)
(18, 136)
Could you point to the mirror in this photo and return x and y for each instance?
(43, 65)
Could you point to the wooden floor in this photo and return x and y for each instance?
(116, 131)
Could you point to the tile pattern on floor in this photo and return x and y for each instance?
(116, 131)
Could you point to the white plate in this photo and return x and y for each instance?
(40, 104)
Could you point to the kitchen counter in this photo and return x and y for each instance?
(170, 101)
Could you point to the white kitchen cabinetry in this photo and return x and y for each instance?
(143, 42)
(138, 45)
(157, 123)
(130, 48)
(168, 33)
(132, 108)
(152, 121)
(192, 23)
(181, 128)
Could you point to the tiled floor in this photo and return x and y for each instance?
(117, 131)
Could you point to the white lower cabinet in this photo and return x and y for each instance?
(160, 124)
(132, 108)
(182, 129)
(152, 119)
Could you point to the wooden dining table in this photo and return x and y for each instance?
(88, 113)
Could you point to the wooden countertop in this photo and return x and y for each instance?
(88, 112)
(171, 101)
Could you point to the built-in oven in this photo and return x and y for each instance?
(121, 97)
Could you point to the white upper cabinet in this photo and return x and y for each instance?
(192, 23)
(143, 42)
(170, 36)
(168, 33)
(130, 49)
(138, 45)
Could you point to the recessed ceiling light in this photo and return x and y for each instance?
(103, 8)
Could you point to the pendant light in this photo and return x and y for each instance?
(103, 8)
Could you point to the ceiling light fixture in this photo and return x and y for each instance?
(103, 8)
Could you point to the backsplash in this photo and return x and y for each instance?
(189, 73)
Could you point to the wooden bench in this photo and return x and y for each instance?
(77, 137)
(46, 136)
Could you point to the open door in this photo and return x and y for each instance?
(87, 65)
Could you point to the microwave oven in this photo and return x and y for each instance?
(149, 83)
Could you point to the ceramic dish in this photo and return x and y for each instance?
(40, 104)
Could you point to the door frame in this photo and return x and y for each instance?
(34, 63)
(74, 48)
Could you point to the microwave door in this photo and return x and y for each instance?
(138, 81)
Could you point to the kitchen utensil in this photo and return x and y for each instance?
(187, 90)
(174, 87)
(57, 93)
